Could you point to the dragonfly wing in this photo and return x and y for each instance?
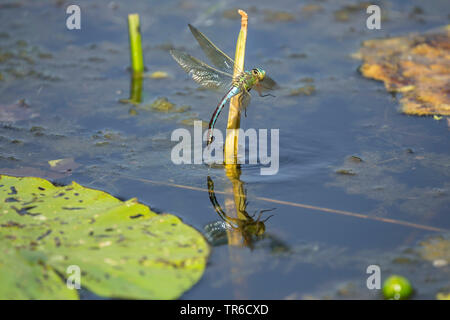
(217, 57)
(267, 84)
(203, 74)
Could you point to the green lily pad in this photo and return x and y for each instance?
(123, 249)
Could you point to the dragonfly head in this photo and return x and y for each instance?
(259, 73)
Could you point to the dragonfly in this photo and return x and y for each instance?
(221, 77)
(250, 228)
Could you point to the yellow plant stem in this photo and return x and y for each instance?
(137, 60)
(232, 169)
(234, 115)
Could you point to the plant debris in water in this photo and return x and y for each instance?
(418, 66)
(311, 9)
(164, 105)
(343, 14)
(278, 16)
(63, 165)
(159, 75)
(303, 91)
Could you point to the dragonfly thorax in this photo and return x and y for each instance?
(249, 78)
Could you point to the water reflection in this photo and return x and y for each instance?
(243, 229)
(238, 228)
(136, 82)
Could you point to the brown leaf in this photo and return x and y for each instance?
(418, 66)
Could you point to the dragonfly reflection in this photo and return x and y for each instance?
(250, 226)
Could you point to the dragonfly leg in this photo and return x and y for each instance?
(266, 95)
(244, 100)
(241, 99)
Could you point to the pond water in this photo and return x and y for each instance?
(73, 81)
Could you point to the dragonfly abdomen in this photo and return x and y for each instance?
(230, 94)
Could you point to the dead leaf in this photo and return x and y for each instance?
(63, 165)
(418, 66)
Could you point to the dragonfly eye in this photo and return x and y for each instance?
(259, 73)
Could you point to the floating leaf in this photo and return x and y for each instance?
(443, 296)
(417, 66)
(159, 75)
(348, 172)
(122, 248)
(63, 165)
(436, 249)
(191, 122)
(277, 16)
(310, 9)
(344, 13)
(355, 159)
(303, 91)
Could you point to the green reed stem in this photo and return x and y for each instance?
(137, 59)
